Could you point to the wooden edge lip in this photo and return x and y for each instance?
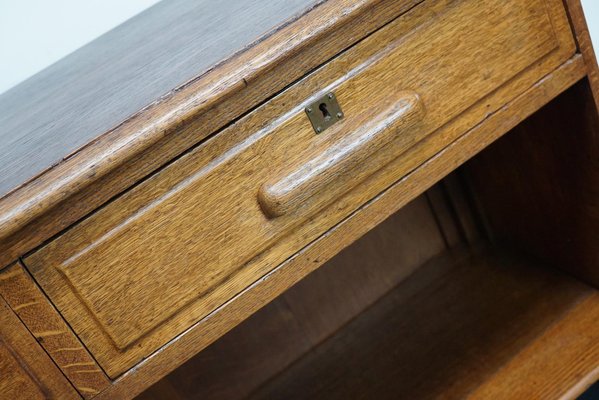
(586, 382)
(166, 115)
(316, 175)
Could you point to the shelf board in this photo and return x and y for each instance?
(480, 324)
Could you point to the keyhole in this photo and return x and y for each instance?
(325, 113)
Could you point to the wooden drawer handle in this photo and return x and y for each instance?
(333, 172)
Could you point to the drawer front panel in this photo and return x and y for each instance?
(180, 244)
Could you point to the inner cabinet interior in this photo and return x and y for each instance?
(469, 289)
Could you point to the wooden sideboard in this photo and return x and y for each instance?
(306, 199)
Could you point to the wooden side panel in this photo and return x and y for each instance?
(179, 245)
(15, 380)
(26, 371)
(48, 327)
(539, 185)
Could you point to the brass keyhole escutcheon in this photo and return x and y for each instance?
(324, 112)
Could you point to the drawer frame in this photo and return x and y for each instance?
(117, 357)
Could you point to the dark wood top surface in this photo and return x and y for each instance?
(57, 111)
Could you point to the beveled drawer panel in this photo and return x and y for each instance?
(177, 246)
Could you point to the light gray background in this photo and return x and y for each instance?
(591, 11)
(36, 33)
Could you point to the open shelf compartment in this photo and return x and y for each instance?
(482, 287)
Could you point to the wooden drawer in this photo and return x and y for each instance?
(180, 244)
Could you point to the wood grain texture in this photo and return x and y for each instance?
(43, 321)
(539, 185)
(120, 272)
(326, 246)
(344, 164)
(310, 311)
(585, 45)
(26, 372)
(94, 89)
(173, 124)
(451, 201)
(562, 363)
(477, 327)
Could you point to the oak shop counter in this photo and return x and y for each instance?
(186, 200)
